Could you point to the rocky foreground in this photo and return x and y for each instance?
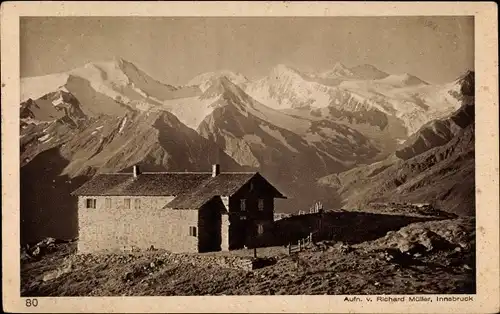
(430, 257)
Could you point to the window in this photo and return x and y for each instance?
(260, 228)
(127, 228)
(126, 203)
(137, 203)
(192, 231)
(91, 202)
(261, 204)
(108, 202)
(243, 205)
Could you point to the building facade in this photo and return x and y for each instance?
(179, 212)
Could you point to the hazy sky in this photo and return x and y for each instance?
(173, 50)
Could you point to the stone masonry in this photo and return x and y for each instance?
(120, 228)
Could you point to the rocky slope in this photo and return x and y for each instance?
(291, 151)
(433, 257)
(437, 132)
(440, 131)
(424, 170)
(62, 149)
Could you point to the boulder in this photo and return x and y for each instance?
(66, 268)
(36, 251)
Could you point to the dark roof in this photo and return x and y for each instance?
(223, 184)
(146, 184)
(191, 189)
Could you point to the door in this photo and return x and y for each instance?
(238, 233)
(209, 226)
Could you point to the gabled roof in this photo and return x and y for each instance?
(192, 189)
(146, 184)
(223, 184)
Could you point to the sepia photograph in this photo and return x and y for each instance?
(210, 156)
(247, 156)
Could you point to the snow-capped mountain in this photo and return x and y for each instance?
(338, 70)
(107, 116)
(106, 86)
(116, 86)
(367, 72)
(289, 150)
(401, 97)
(339, 73)
(367, 114)
(203, 80)
(435, 165)
(259, 130)
(286, 87)
(401, 80)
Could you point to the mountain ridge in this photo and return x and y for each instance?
(440, 171)
(109, 116)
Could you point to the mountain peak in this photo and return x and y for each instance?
(466, 82)
(339, 69)
(467, 75)
(368, 72)
(219, 85)
(404, 79)
(282, 70)
(121, 63)
(116, 62)
(203, 80)
(367, 66)
(339, 66)
(119, 59)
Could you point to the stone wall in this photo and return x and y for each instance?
(235, 262)
(155, 259)
(121, 228)
(225, 232)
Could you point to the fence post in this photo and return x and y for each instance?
(255, 252)
(290, 248)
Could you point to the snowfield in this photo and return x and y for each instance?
(190, 111)
(402, 96)
(36, 87)
(203, 80)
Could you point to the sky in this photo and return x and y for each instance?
(174, 50)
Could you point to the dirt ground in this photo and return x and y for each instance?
(423, 258)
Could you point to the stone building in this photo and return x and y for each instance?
(176, 211)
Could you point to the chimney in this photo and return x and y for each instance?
(215, 170)
(136, 171)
